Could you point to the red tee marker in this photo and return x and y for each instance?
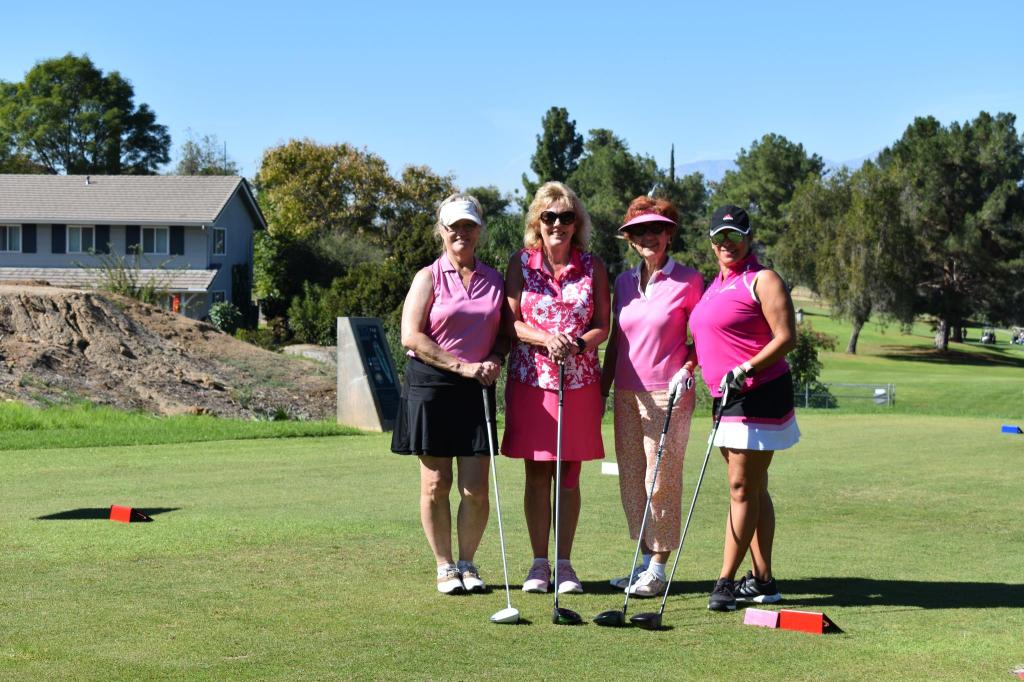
(806, 621)
(126, 514)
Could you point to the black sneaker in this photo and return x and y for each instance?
(750, 589)
(722, 597)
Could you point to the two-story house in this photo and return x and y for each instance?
(190, 235)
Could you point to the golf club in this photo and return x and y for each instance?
(651, 620)
(560, 616)
(508, 614)
(614, 617)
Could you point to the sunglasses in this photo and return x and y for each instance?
(565, 217)
(654, 228)
(732, 235)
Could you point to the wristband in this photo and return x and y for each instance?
(581, 344)
(747, 368)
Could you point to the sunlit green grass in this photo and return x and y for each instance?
(970, 379)
(304, 559)
(83, 425)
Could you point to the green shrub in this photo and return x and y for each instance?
(803, 359)
(123, 276)
(264, 337)
(226, 316)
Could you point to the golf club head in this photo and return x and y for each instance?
(614, 618)
(648, 621)
(560, 616)
(509, 615)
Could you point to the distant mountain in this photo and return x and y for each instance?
(714, 170)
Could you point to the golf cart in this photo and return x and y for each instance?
(988, 335)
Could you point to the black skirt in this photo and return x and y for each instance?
(440, 414)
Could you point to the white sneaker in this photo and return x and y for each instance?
(539, 578)
(449, 580)
(568, 583)
(623, 582)
(471, 577)
(647, 585)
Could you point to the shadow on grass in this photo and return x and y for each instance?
(925, 595)
(839, 591)
(601, 587)
(98, 513)
(986, 358)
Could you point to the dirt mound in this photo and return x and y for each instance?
(58, 345)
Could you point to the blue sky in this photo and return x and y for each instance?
(461, 87)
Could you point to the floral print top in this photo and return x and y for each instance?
(564, 305)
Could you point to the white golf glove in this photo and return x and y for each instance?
(736, 378)
(682, 381)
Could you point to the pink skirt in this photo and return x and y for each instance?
(531, 423)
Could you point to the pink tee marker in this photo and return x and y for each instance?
(761, 618)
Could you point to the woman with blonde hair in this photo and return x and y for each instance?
(451, 321)
(558, 307)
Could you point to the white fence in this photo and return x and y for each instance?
(833, 395)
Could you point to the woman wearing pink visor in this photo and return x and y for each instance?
(743, 327)
(649, 361)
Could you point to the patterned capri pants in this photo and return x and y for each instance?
(639, 419)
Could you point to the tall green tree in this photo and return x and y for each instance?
(690, 196)
(491, 200)
(608, 177)
(849, 242)
(559, 148)
(204, 155)
(963, 195)
(764, 181)
(67, 116)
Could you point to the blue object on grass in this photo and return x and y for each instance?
(1011, 428)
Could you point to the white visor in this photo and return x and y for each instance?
(460, 209)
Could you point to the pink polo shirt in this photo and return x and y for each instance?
(729, 328)
(465, 321)
(652, 325)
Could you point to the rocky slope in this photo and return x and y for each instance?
(60, 345)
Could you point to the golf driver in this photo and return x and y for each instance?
(651, 620)
(560, 616)
(508, 614)
(614, 617)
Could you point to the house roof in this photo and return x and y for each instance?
(90, 278)
(121, 199)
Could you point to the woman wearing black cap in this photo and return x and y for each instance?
(743, 327)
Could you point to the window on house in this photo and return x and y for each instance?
(154, 240)
(10, 238)
(80, 239)
(220, 241)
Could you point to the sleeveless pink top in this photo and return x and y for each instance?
(729, 328)
(463, 321)
(564, 305)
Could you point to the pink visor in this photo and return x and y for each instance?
(645, 218)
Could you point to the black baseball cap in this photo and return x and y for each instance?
(730, 217)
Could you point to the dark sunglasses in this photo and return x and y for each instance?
(565, 217)
(654, 228)
(732, 235)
